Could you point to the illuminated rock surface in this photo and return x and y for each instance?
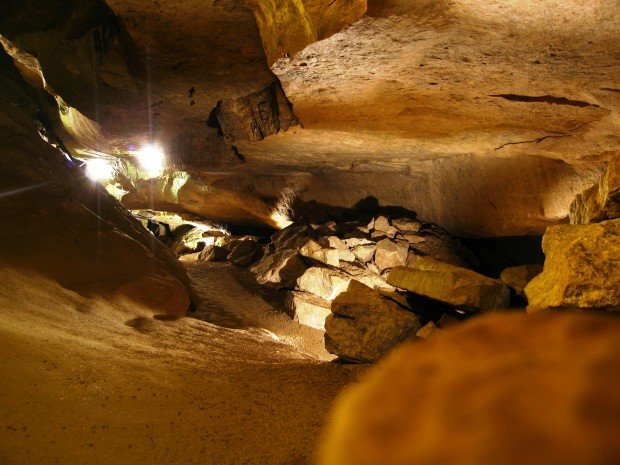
(582, 268)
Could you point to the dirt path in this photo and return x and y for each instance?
(83, 382)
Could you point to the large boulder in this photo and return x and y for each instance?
(307, 309)
(501, 389)
(213, 253)
(390, 254)
(582, 268)
(280, 269)
(244, 252)
(517, 277)
(364, 325)
(459, 287)
(323, 282)
(601, 201)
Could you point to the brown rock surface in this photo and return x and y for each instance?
(517, 277)
(601, 201)
(389, 254)
(364, 325)
(582, 268)
(308, 309)
(501, 389)
(459, 287)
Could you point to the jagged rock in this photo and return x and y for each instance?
(459, 287)
(307, 309)
(406, 225)
(582, 268)
(323, 282)
(382, 225)
(487, 392)
(315, 251)
(255, 116)
(364, 326)
(361, 273)
(244, 252)
(213, 253)
(373, 268)
(292, 236)
(390, 254)
(412, 239)
(427, 330)
(601, 201)
(328, 229)
(280, 269)
(343, 250)
(355, 241)
(186, 239)
(517, 277)
(364, 253)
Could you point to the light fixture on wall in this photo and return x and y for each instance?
(151, 158)
(99, 169)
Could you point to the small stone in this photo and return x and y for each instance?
(364, 253)
(427, 330)
(406, 225)
(314, 250)
(390, 254)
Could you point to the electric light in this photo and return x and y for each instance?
(151, 158)
(99, 169)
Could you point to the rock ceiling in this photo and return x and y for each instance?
(484, 117)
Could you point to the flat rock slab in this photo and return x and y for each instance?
(452, 285)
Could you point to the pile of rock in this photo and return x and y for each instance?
(365, 323)
(316, 263)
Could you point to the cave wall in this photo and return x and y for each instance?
(58, 224)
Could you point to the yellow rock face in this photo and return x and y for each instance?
(601, 201)
(500, 389)
(582, 268)
(451, 284)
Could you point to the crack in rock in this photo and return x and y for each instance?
(545, 99)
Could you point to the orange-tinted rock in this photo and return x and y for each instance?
(501, 389)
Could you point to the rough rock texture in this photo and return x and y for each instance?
(308, 309)
(256, 116)
(58, 224)
(214, 253)
(389, 254)
(501, 389)
(364, 325)
(517, 277)
(470, 113)
(601, 201)
(279, 270)
(452, 285)
(582, 268)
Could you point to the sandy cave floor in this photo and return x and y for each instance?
(84, 383)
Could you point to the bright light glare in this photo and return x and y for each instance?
(98, 169)
(151, 158)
